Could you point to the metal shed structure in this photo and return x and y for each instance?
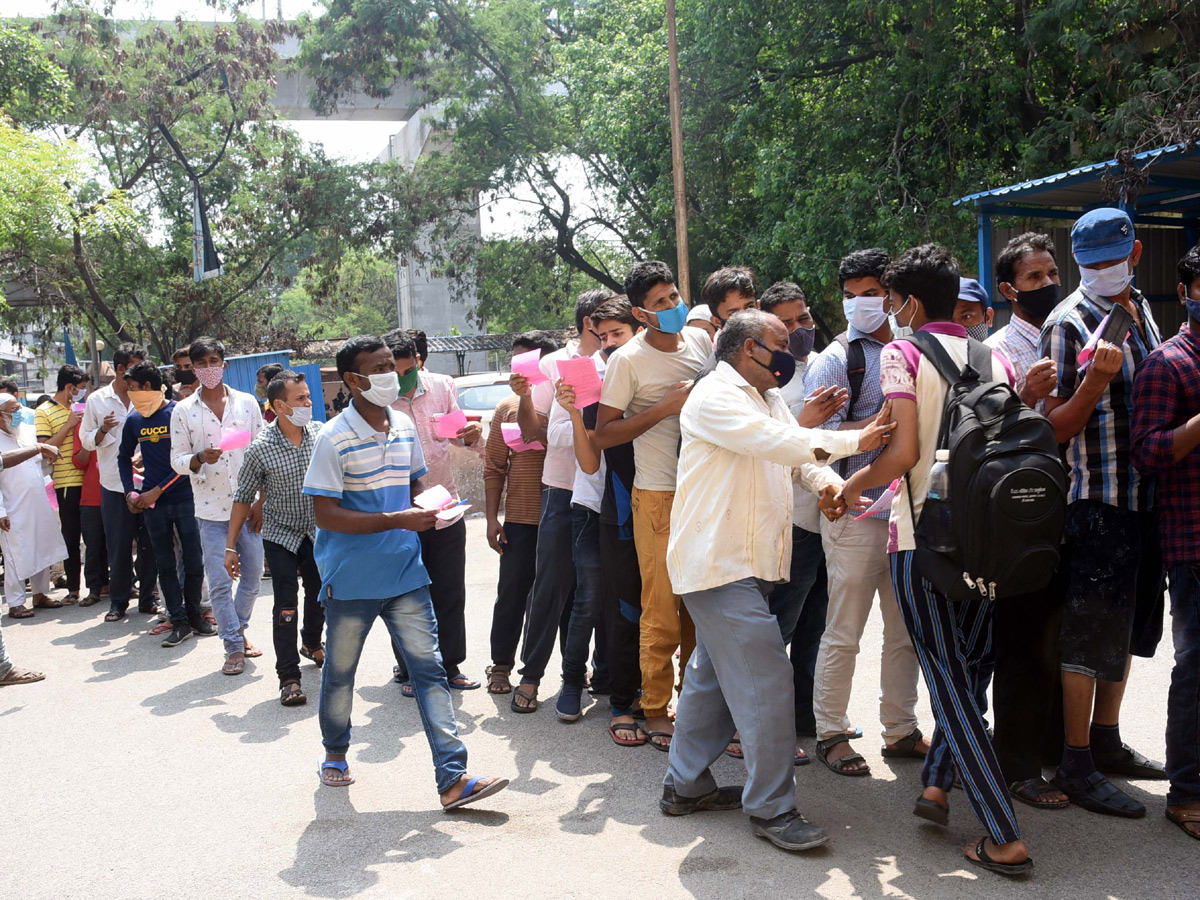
(1162, 198)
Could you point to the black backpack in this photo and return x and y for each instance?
(856, 369)
(1008, 486)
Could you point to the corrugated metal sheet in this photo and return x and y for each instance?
(241, 372)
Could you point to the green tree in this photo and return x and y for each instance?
(361, 301)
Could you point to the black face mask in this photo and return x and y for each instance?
(782, 365)
(1039, 302)
(608, 351)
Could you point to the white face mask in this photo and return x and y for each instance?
(1105, 282)
(865, 313)
(300, 416)
(384, 390)
(80, 394)
(899, 330)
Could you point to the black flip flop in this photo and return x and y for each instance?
(986, 862)
(932, 811)
(651, 735)
(532, 701)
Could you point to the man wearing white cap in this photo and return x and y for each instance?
(701, 317)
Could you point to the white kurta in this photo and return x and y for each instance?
(34, 542)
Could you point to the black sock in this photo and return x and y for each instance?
(1076, 762)
(1105, 738)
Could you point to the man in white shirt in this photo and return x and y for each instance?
(215, 415)
(100, 432)
(644, 389)
(554, 581)
(730, 542)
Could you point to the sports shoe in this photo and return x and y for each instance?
(202, 628)
(178, 635)
(570, 703)
(791, 831)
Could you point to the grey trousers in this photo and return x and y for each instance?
(739, 678)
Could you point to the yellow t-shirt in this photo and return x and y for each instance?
(48, 419)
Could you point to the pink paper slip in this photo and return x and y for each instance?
(529, 365)
(512, 437)
(884, 501)
(580, 373)
(234, 439)
(436, 497)
(449, 425)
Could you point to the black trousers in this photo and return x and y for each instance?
(622, 617)
(445, 556)
(288, 570)
(517, 567)
(68, 517)
(121, 529)
(95, 557)
(1026, 681)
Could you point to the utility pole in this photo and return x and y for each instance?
(681, 235)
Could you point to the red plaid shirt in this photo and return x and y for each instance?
(1166, 394)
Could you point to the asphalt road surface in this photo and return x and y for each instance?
(139, 772)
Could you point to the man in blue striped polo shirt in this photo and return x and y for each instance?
(365, 465)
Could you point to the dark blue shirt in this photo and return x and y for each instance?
(153, 434)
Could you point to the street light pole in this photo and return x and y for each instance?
(681, 234)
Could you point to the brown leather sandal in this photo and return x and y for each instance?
(235, 664)
(290, 694)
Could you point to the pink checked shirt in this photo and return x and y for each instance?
(435, 395)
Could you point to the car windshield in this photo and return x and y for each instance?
(483, 396)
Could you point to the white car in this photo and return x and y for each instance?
(479, 394)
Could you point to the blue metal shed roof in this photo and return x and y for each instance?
(1174, 182)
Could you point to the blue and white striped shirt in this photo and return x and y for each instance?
(830, 369)
(1099, 456)
(370, 472)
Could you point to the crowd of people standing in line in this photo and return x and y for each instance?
(708, 488)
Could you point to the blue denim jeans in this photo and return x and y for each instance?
(1183, 699)
(232, 612)
(410, 622)
(589, 593)
(164, 522)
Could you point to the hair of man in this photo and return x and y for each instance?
(618, 308)
(347, 355)
(781, 292)
(868, 263)
(70, 374)
(206, 346)
(736, 279)
(277, 387)
(643, 276)
(145, 373)
(929, 273)
(1010, 256)
(126, 353)
(748, 324)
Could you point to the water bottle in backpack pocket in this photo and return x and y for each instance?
(937, 525)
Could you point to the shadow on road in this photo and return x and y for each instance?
(339, 850)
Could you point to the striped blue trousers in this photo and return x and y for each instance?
(953, 642)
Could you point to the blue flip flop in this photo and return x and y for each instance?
(341, 765)
(470, 795)
(407, 690)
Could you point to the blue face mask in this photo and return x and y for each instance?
(671, 321)
(1193, 309)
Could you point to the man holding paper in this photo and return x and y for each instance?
(554, 579)
(1114, 603)
(218, 416)
(366, 463)
(431, 401)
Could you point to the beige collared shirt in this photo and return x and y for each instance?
(732, 515)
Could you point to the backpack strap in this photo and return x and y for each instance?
(952, 373)
(979, 358)
(856, 370)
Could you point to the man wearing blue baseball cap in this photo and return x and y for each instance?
(1114, 602)
(973, 311)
